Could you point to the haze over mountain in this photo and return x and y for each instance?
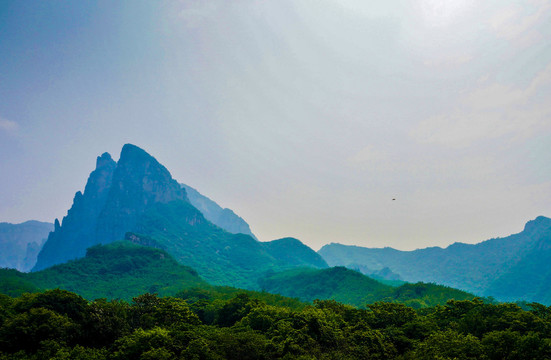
(21, 243)
(443, 105)
(511, 268)
(138, 195)
(222, 217)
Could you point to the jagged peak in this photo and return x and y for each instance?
(103, 160)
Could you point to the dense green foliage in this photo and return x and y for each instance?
(58, 324)
(509, 269)
(353, 288)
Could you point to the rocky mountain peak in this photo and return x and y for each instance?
(104, 160)
(116, 194)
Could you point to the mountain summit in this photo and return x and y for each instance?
(115, 195)
(137, 198)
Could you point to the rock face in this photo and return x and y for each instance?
(139, 181)
(511, 268)
(222, 217)
(115, 195)
(20, 243)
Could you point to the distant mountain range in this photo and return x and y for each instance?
(138, 195)
(20, 243)
(511, 268)
(135, 199)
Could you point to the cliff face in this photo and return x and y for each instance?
(116, 194)
(138, 182)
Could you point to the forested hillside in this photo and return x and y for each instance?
(353, 288)
(58, 324)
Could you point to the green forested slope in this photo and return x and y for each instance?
(353, 288)
(117, 270)
(220, 257)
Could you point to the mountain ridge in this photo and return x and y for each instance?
(470, 267)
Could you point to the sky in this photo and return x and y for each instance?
(307, 118)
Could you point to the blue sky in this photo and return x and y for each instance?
(305, 117)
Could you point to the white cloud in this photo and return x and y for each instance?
(492, 111)
(8, 125)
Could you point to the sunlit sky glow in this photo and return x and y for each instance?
(305, 117)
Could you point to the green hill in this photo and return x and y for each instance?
(123, 270)
(117, 270)
(353, 288)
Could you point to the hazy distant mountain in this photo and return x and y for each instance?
(222, 217)
(20, 243)
(511, 268)
(138, 195)
(353, 288)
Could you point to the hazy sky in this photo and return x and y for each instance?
(305, 117)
